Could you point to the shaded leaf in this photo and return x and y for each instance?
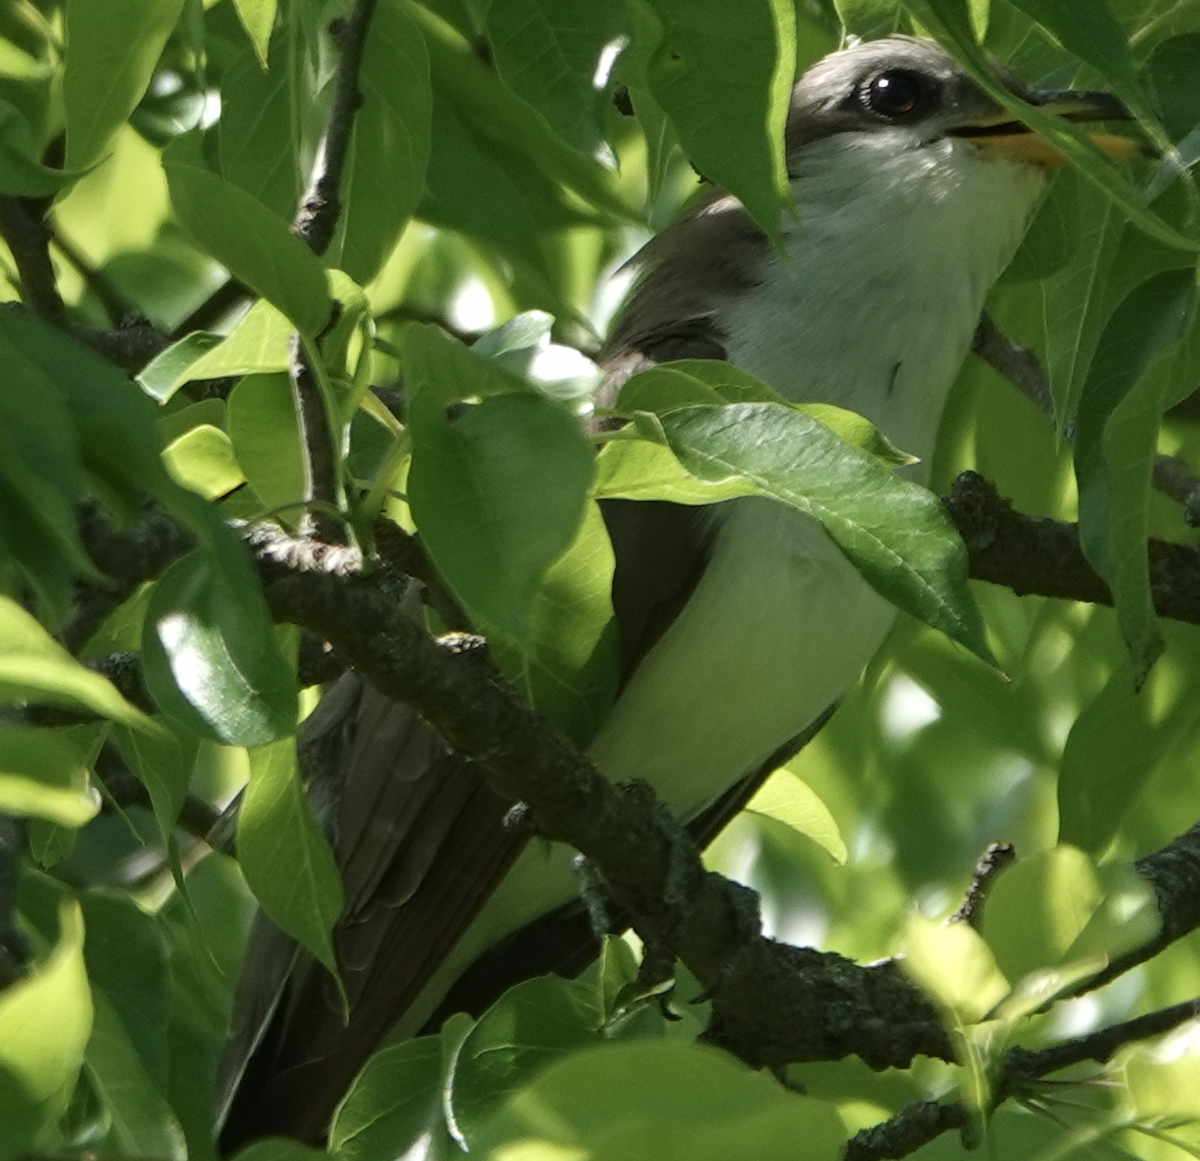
(253, 244)
(723, 73)
(284, 856)
(34, 667)
(45, 775)
(112, 50)
(391, 143)
(497, 488)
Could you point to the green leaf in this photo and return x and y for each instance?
(661, 1102)
(257, 344)
(1112, 751)
(126, 1056)
(529, 1027)
(723, 73)
(471, 191)
(394, 1101)
(163, 762)
(547, 51)
(251, 242)
(894, 532)
(112, 50)
(687, 381)
(1075, 300)
(262, 426)
(203, 460)
(45, 775)
(258, 19)
(114, 421)
(21, 173)
(951, 962)
(497, 488)
(479, 97)
(1116, 438)
(283, 854)
(1088, 29)
(40, 1058)
(280, 1149)
(1038, 907)
(788, 799)
(867, 18)
(34, 667)
(568, 671)
(169, 370)
(391, 143)
(212, 657)
(261, 132)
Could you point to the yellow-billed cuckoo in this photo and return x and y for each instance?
(740, 624)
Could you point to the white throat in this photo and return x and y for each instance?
(887, 266)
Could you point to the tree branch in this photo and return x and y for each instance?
(772, 1004)
(1041, 556)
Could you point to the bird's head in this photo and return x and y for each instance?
(911, 93)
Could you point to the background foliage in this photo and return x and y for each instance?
(507, 157)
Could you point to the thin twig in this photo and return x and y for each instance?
(983, 878)
(1023, 1065)
(318, 215)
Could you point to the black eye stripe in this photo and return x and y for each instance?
(895, 95)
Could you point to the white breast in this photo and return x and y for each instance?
(872, 307)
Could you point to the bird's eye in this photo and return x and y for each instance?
(894, 95)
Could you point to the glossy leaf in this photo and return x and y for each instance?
(203, 460)
(286, 860)
(894, 532)
(168, 371)
(212, 658)
(249, 240)
(258, 343)
(112, 50)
